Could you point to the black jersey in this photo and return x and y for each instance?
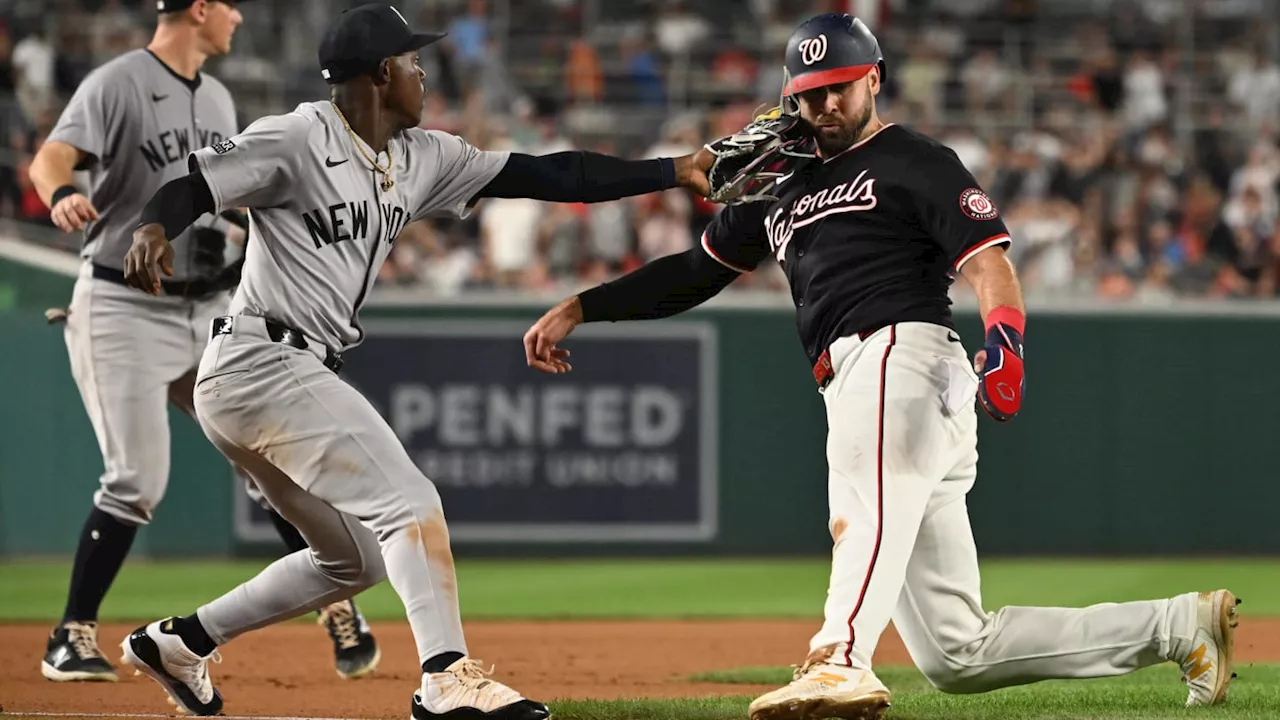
(867, 238)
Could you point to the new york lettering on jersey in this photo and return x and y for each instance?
(322, 224)
(869, 237)
(174, 145)
(349, 220)
(138, 121)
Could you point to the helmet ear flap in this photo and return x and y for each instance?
(787, 103)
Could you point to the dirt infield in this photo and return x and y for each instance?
(287, 670)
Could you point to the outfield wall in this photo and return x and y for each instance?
(1142, 434)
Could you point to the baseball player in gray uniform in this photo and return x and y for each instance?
(328, 187)
(131, 124)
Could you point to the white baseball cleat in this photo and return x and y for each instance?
(1206, 668)
(184, 675)
(464, 691)
(820, 690)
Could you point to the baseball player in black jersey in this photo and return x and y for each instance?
(871, 233)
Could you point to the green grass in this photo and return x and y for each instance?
(1151, 693)
(705, 588)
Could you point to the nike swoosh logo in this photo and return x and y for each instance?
(330, 163)
(952, 337)
(158, 98)
(784, 178)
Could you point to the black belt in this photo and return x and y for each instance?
(281, 334)
(198, 288)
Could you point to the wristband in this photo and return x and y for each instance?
(1007, 315)
(668, 167)
(62, 193)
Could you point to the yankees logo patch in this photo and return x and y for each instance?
(223, 147)
(813, 50)
(977, 205)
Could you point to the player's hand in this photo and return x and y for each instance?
(540, 349)
(1001, 374)
(73, 212)
(150, 249)
(691, 171)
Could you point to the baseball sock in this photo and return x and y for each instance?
(441, 662)
(288, 533)
(104, 544)
(193, 635)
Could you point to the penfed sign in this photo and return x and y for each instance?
(621, 449)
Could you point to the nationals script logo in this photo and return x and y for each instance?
(780, 225)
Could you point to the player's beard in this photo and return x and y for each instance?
(832, 143)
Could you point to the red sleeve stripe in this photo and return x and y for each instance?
(706, 245)
(980, 246)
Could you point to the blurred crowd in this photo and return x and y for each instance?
(1131, 145)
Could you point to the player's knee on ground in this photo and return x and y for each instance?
(133, 499)
(949, 668)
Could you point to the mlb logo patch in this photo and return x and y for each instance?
(224, 147)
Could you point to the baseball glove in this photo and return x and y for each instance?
(749, 162)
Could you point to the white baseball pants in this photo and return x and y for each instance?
(902, 454)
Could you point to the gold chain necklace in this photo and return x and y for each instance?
(387, 182)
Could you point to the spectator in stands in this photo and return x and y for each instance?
(987, 84)
(663, 224)
(560, 244)
(469, 35)
(1144, 100)
(1255, 90)
(33, 62)
(642, 82)
(921, 78)
(583, 76)
(32, 209)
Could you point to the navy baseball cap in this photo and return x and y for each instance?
(168, 6)
(360, 38)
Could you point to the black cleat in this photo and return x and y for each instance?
(355, 652)
(72, 655)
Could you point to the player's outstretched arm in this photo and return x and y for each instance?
(999, 363)
(589, 177)
(662, 288)
(734, 243)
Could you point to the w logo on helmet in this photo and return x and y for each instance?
(813, 49)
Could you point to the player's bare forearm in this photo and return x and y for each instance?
(54, 167)
(994, 281)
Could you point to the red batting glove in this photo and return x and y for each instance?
(1002, 376)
